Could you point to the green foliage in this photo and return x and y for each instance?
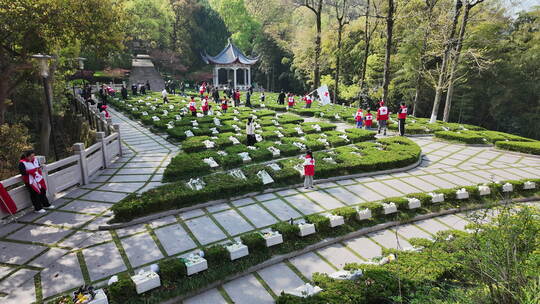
(376, 208)
(254, 241)
(322, 223)
(467, 138)
(288, 230)
(348, 213)
(216, 255)
(172, 270)
(15, 140)
(524, 147)
(123, 290)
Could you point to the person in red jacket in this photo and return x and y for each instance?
(193, 106)
(236, 98)
(224, 105)
(309, 169)
(31, 174)
(382, 117)
(359, 117)
(368, 120)
(204, 106)
(402, 115)
(290, 100)
(308, 101)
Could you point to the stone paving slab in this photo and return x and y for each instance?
(411, 231)
(280, 277)
(163, 221)
(130, 178)
(280, 209)
(364, 247)
(344, 196)
(309, 263)
(86, 207)
(431, 225)
(64, 274)
(247, 290)
(141, 249)
(102, 196)
(365, 193)
(258, 216)
(66, 219)
(6, 229)
(419, 183)
(265, 197)
(15, 253)
(388, 239)
(122, 187)
(233, 222)
(16, 279)
(211, 296)
(218, 207)
(339, 255)
(103, 261)
(324, 200)
(174, 239)
(453, 221)
(401, 186)
(303, 204)
(191, 214)
(205, 230)
(243, 202)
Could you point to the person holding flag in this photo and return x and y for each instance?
(382, 117)
(31, 174)
(193, 106)
(368, 120)
(402, 115)
(359, 117)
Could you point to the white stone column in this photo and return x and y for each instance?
(235, 69)
(78, 149)
(216, 76)
(249, 76)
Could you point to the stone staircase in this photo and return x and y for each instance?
(142, 70)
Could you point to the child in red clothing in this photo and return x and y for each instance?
(309, 169)
(368, 120)
(224, 105)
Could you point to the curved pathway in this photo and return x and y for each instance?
(45, 255)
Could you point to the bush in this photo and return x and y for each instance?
(288, 230)
(519, 146)
(123, 290)
(172, 270)
(425, 199)
(468, 138)
(216, 255)
(348, 213)
(449, 194)
(322, 223)
(376, 208)
(254, 241)
(401, 202)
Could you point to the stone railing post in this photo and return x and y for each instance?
(51, 189)
(100, 137)
(110, 128)
(103, 122)
(78, 149)
(117, 130)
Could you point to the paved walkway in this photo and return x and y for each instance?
(45, 255)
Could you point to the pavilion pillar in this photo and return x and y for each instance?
(249, 76)
(216, 76)
(235, 69)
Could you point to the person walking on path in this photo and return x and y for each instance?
(281, 98)
(402, 115)
(358, 117)
(31, 174)
(224, 105)
(309, 169)
(124, 92)
(250, 132)
(382, 117)
(164, 95)
(368, 120)
(262, 97)
(193, 106)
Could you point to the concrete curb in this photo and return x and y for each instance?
(252, 194)
(326, 242)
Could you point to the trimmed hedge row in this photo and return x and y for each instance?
(480, 137)
(173, 272)
(387, 153)
(519, 146)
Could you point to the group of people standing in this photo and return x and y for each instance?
(382, 118)
(291, 102)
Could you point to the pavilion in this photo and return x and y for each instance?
(231, 61)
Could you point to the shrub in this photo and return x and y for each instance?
(401, 202)
(254, 241)
(288, 230)
(348, 213)
(424, 198)
(123, 290)
(358, 135)
(322, 223)
(216, 255)
(449, 194)
(172, 270)
(376, 208)
(468, 138)
(519, 146)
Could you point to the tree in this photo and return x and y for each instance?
(368, 33)
(442, 82)
(344, 15)
(316, 6)
(456, 53)
(388, 49)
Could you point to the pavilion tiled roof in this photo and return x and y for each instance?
(229, 55)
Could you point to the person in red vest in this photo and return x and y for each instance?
(204, 106)
(236, 98)
(368, 120)
(382, 117)
(308, 101)
(309, 169)
(224, 105)
(31, 174)
(402, 115)
(290, 100)
(359, 117)
(202, 88)
(193, 106)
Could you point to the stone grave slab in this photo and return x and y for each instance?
(130, 230)
(174, 239)
(265, 197)
(8, 228)
(388, 239)
(247, 290)
(130, 178)
(191, 214)
(455, 179)
(324, 200)
(218, 207)
(163, 221)
(280, 277)
(364, 247)
(401, 186)
(141, 249)
(15, 253)
(287, 192)
(205, 230)
(233, 222)
(136, 171)
(303, 204)
(345, 196)
(121, 187)
(339, 255)
(365, 193)
(420, 183)
(346, 182)
(20, 277)
(76, 193)
(48, 257)
(453, 221)
(103, 261)
(309, 263)
(282, 210)
(381, 188)
(98, 221)
(257, 215)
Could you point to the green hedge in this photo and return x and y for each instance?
(519, 146)
(465, 137)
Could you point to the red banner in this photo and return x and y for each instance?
(6, 202)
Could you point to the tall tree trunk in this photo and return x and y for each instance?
(338, 60)
(455, 62)
(389, 31)
(442, 73)
(316, 72)
(367, 38)
(3, 99)
(45, 133)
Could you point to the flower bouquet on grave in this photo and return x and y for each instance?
(84, 295)
(275, 151)
(211, 162)
(272, 238)
(317, 128)
(196, 184)
(305, 291)
(194, 263)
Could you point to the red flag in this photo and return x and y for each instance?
(6, 202)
